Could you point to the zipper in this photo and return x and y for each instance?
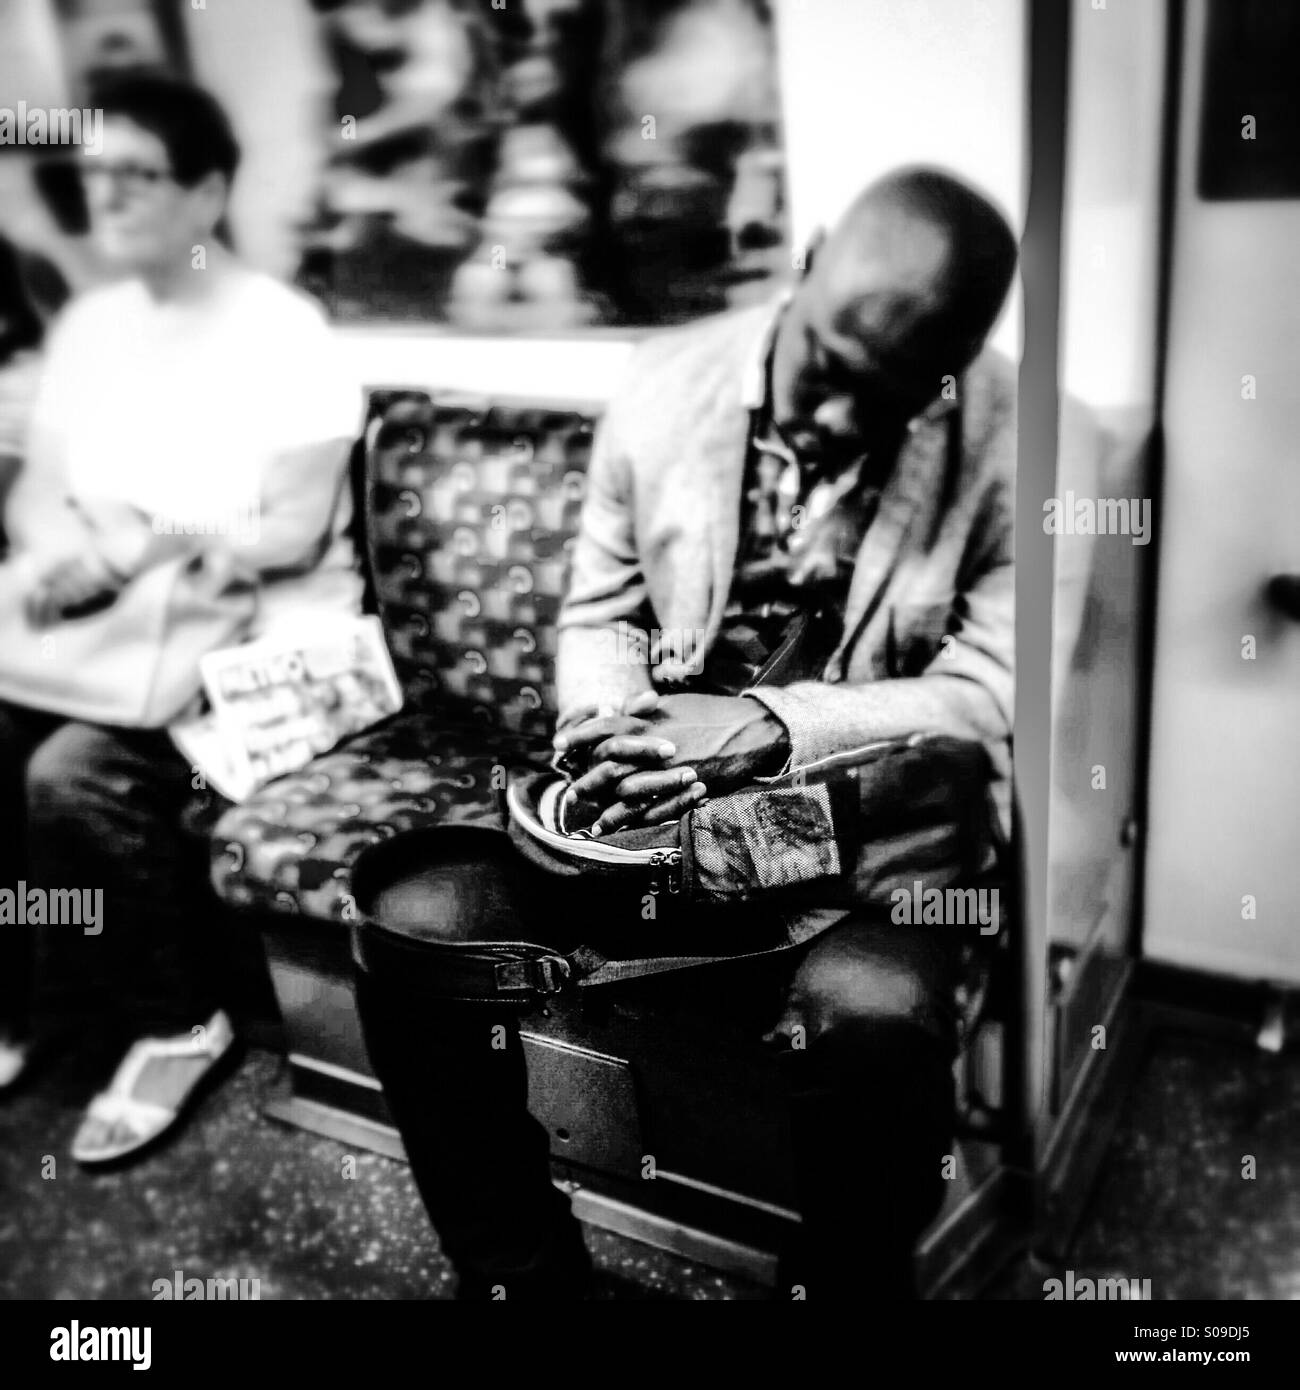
(671, 861)
(591, 848)
(665, 861)
(851, 757)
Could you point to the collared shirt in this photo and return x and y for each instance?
(799, 539)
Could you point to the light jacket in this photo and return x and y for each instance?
(930, 619)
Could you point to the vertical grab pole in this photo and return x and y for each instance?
(1048, 35)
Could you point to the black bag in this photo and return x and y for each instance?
(849, 833)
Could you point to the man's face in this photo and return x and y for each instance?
(141, 218)
(858, 351)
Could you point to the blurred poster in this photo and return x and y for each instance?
(97, 40)
(104, 37)
(546, 165)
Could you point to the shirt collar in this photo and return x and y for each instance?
(755, 378)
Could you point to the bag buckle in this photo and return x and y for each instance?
(555, 972)
(544, 975)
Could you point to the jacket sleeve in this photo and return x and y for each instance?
(603, 644)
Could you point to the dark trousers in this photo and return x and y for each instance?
(857, 1030)
(87, 807)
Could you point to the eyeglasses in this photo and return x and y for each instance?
(135, 178)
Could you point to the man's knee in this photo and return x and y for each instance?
(71, 769)
(446, 903)
(472, 892)
(870, 981)
(123, 780)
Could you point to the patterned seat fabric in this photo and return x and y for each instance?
(470, 514)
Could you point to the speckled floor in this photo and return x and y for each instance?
(1172, 1204)
(236, 1195)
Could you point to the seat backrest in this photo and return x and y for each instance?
(472, 509)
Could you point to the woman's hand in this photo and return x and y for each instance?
(19, 381)
(69, 583)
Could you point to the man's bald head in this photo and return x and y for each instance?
(944, 246)
(902, 293)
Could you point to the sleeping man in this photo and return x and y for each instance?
(816, 496)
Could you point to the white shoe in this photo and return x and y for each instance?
(118, 1122)
(13, 1061)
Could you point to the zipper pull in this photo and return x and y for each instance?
(674, 862)
(657, 859)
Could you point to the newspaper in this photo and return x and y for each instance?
(278, 702)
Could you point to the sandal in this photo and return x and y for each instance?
(118, 1109)
(14, 1057)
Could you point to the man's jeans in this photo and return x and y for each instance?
(857, 1032)
(85, 807)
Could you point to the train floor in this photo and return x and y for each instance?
(236, 1195)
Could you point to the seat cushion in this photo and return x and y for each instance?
(291, 846)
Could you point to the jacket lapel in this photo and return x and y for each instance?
(918, 475)
(722, 443)
(722, 456)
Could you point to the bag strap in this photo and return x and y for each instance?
(511, 972)
(610, 972)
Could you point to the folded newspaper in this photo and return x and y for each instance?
(280, 701)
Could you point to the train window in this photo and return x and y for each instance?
(1250, 108)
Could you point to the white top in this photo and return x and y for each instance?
(198, 414)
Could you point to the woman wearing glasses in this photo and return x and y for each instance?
(190, 407)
